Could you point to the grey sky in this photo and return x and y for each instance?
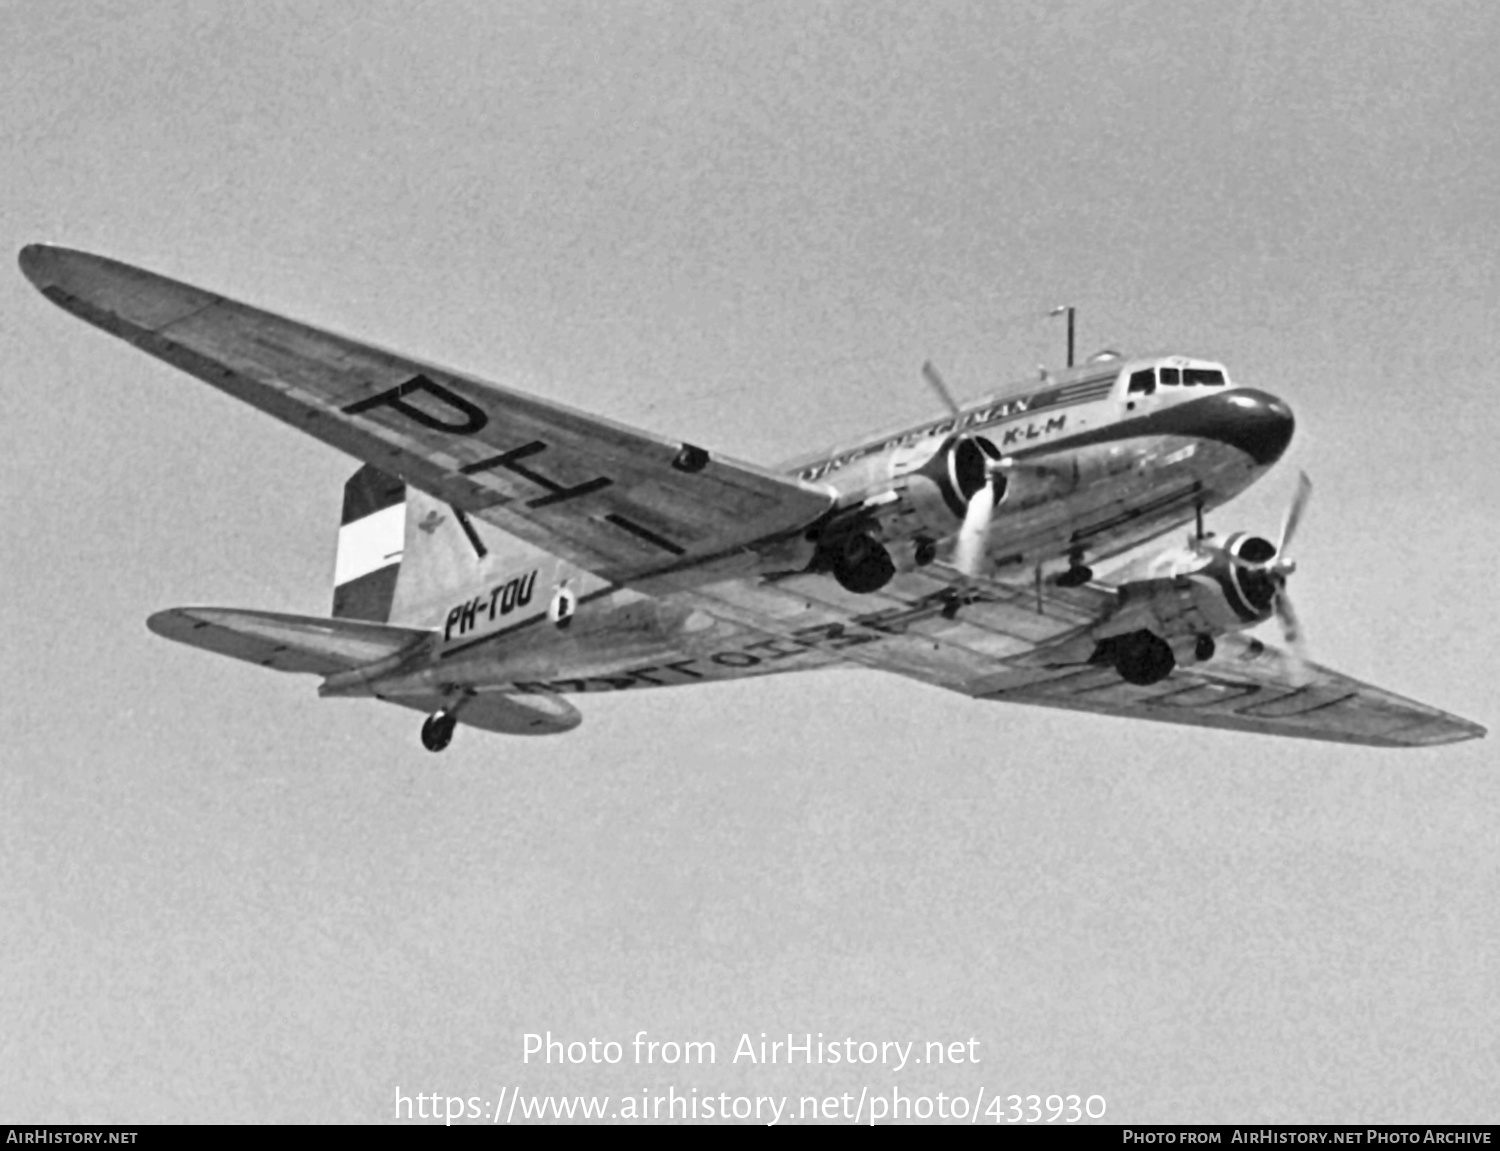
(224, 899)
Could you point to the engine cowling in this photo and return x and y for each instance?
(1250, 586)
(1209, 589)
(934, 483)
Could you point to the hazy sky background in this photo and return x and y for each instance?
(744, 224)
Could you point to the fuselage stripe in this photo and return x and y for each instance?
(966, 422)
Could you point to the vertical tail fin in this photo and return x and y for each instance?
(406, 558)
(450, 556)
(371, 539)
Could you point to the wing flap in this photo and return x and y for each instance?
(626, 504)
(291, 643)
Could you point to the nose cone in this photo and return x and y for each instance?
(1256, 422)
(1262, 425)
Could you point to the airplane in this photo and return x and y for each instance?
(499, 553)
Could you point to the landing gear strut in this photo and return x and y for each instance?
(437, 732)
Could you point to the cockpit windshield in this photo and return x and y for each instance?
(1145, 381)
(1207, 377)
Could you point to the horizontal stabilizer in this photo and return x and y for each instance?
(286, 642)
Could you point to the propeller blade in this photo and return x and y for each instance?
(930, 374)
(974, 534)
(1291, 631)
(1294, 512)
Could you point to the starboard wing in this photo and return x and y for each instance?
(1006, 644)
(1246, 687)
(628, 505)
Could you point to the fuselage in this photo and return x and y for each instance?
(1097, 460)
(1108, 456)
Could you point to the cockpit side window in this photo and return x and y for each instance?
(1170, 377)
(1208, 377)
(1143, 382)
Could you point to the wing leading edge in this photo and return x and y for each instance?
(628, 505)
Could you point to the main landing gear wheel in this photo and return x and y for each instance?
(1143, 658)
(1075, 577)
(1077, 573)
(1204, 648)
(437, 732)
(863, 565)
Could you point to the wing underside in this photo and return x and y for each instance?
(1246, 687)
(628, 505)
(1009, 643)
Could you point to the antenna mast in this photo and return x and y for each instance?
(1071, 312)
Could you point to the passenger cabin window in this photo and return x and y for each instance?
(1207, 377)
(1170, 377)
(1143, 382)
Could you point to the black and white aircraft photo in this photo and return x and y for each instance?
(500, 553)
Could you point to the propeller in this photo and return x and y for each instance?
(1294, 512)
(973, 535)
(933, 377)
(1291, 631)
(1278, 567)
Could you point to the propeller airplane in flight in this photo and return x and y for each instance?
(500, 553)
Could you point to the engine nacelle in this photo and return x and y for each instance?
(936, 483)
(1210, 590)
(933, 483)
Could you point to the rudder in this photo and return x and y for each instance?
(372, 533)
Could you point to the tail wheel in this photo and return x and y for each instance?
(437, 731)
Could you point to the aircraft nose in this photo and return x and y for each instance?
(1262, 424)
(1256, 422)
